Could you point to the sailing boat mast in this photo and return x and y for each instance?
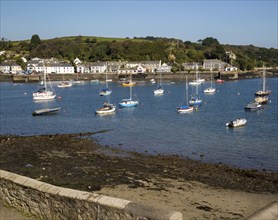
(186, 90)
(264, 79)
(44, 76)
(130, 90)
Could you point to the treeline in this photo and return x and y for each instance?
(168, 50)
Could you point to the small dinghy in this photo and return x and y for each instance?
(236, 123)
(46, 111)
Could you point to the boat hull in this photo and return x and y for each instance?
(236, 123)
(219, 81)
(46, 111)
(185, 109)
(128, 103)
(209, 90)
(40, 96)
(195, 102)
(103, 111)
(105, 93)
(128, 84)
(253, 106)
(158, 91)
(64, 85)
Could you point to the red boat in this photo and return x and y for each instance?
(219, 81)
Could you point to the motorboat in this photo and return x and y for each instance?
(237, 123)
(253, 106)
(210, 90)
(107, 108)
(220, 81)
(195, 83)
(46, 111)
(64, 84)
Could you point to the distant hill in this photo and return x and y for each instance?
(169, 50)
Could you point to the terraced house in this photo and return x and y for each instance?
(38, 65)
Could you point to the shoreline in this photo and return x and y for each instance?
(227, 76)
(197, 189)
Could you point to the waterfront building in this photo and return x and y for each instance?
(52, 65)
(214, 64)
(10, 66)
(98, 67)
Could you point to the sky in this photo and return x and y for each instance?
(235, 22)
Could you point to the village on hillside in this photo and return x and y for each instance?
(54, 66)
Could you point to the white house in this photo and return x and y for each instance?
(165, 68)
(5, 68)
(15, 68)
(98, 67)
(39, 66)
(10, 66)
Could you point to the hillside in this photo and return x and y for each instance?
(169, 50)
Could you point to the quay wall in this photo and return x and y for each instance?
(115, 77)
(47, 201)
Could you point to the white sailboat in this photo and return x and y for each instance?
(105, 91)
(263, 92)
(195, 100)
(159, 90)
(129, 102)
(185, 108)
(197, 81)
(211, 89)
(44, 93)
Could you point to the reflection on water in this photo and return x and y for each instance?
(154, 126)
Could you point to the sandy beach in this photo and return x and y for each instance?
(196, 189)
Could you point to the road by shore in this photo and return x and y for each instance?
(198, 190)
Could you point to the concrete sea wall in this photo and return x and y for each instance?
(47, 201)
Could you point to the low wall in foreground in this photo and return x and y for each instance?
(47, 201)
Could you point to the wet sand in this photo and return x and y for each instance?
(198, 190)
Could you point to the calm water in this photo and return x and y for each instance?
(155, 127)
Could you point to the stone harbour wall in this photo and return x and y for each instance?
(47, 201)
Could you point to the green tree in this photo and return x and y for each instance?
(35, 41)
(210, 42)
